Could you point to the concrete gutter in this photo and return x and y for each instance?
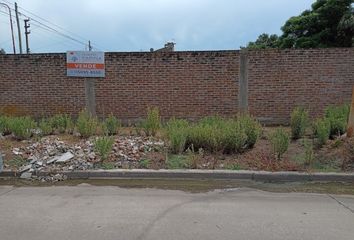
(195, 174)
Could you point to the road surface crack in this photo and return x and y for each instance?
(4, 193)
(341, 203)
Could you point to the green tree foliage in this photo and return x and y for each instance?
(329, 23)
(2, 51)
(265, 41)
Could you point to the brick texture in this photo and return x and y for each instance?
(280, 80)
(182, 84)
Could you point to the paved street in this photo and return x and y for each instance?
(92, 212)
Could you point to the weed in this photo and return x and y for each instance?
(177, 133)
(337, 143)
(111, 125)
(337, 117)
(16, 162)
(86, 124)
(299, 122)
(4, 125)
(46, 127)
(145, 163)
(152, 123)
(107, 165)
(193, 158)
(235, 137)
(321, 131)
(252, 129)
(177, 162)
(215, 134)
(103, 146)
(309, 153)
(22, 127)
(280, 142)
(62, 123)
(233, 166)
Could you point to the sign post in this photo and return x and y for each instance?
(86, 64)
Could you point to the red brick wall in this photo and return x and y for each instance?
(281, 80)
(181, 84)
(37, 85)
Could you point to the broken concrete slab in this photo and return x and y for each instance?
(65, 157)
(26, 175)
(25, 168)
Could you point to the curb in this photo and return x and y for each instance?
(194, 174)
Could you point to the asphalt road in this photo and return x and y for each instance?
(99, 213)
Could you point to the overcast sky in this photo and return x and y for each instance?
(138, 25)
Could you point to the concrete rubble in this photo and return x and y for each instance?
(53, 155)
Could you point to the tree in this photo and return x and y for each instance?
(329, 23)
(2, 51)
(265, 41)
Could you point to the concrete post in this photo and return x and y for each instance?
(90, 96)
(1, 163)
(243, 83)
(350, 131)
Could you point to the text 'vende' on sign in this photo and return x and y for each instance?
(85, 64)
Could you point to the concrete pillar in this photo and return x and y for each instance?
(350, 131)
(90, 96)
(243, 83)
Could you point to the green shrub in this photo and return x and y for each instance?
(46, 127)
(103, 146)
(338, 119)
(206, 135)
(321, 131)
(145, 163)
(235, 138)
(193, 158)
(5, 125)
(86, 124)
(152, 123)
(107, 165)
(111, 125)
(299, 122)
(252, 129)
(177, 162)
(22, 127)
(280, 142)
(309, 153)
(234, 166)
(62, 123)
(177, 133)
(215, 134)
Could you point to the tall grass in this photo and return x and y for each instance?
(177, 133)
(321, 131)
(338, 119)
(103, 146)
(280, 142)
(86, 124)
(299, 122)
(5, 125)
(213, 134)
(45, 127)
(22, 127)
(152, 123)
(62, 123)
(111, 125)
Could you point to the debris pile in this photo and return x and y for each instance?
(53, 155)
